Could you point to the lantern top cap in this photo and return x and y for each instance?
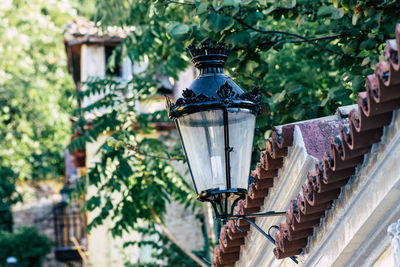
(208, 55)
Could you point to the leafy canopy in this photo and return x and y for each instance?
(308, 57)
(35, 95)
(26, 244)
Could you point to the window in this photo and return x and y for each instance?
(116, 71)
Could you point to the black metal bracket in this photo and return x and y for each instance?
(247, 217)
(255, 215)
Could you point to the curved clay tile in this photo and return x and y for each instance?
(274, 150)
(387, 89)
(343, 151)
(363, 123)
(285, 137)
(331, 174)
(367, 104)
(291, 235)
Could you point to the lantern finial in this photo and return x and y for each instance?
(206, 56)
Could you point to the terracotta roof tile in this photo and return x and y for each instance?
(338, 146)
(375, 109)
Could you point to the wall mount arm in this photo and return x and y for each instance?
(247, 217)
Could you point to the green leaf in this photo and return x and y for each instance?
(357, 82)
(338, 13)
(224, 22)
(238, 38)
(325, 11)
(324, 102)
(267, 134)
(202, 8)
(178, 31)
(251, 65)
(227, 3)
(159, 9)
(279, 97)
(294, 88)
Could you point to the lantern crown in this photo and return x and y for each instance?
(209, 58)
(212, 89)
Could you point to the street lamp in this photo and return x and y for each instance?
(215, 119)
(65, 192)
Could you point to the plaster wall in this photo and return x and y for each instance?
(105, 250)
(385, 259)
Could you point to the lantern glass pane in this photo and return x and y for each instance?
(202, 135)
(241, 132)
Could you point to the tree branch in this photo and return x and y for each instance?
(173, 240)
(302, 38)
(317, 38)
(180, 3)
(137, 150)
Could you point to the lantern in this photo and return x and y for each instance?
(215, 119)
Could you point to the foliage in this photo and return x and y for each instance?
(26, 244)
(309, 57)
(85, 8)
(132, 160)
(164, 252)
(133, 165)
(8, 196)
(34, 93)
(273, 48)
(134, 176)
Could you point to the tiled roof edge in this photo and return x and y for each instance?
(83, 31)
(347, 150)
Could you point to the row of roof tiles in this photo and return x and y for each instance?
(82, 30)
(350, 139)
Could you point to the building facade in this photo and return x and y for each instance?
(89, 49)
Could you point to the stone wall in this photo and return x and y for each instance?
(36, 210)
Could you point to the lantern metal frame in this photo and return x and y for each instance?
(226, 99)
(211, 60)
